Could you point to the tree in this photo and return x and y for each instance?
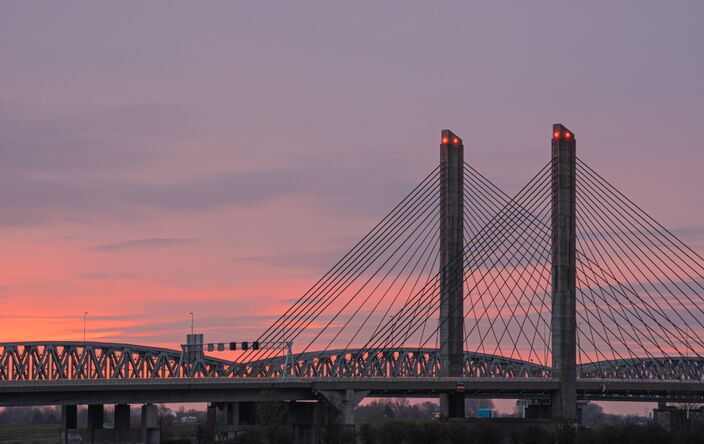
(272, 416)
(389, 411)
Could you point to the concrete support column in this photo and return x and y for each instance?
(451, 268)
(150, 424)
(210, 419)
(564, 331)
(347, 408)
(231, 411)
(69, 420)
(69, 417)
(96, 416)
(230, 419)
(344, 401)
(305, 419)
(247, 413)
(122, 416)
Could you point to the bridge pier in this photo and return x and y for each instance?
(122, 416)
(231, 413)
(211, 415)
(122, 422)
(451, 268)
(564, 263)
(96, 416)
(150, 424)
(344, 401)
(670, 418)
(231, 418)
(305, 418)
(69, 420)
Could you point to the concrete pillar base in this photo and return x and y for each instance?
(231, 411)
(150, 425)
(671, 419)
(305, 419)
(69, 420)
(69, 417)
(211, 417)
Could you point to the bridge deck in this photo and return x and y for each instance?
(219, 389)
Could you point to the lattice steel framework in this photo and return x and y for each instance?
(52, 361)
(35, 361)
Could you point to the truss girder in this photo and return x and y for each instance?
(77, 361)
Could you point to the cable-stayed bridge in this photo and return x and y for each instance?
(567, 290)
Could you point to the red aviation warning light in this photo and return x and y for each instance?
(450, 139)
(559, 132)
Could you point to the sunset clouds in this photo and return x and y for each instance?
(163, 158)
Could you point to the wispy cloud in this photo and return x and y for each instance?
(303, 259)
(52, 141)
(98, 276)
(91, 164)
(159, 242)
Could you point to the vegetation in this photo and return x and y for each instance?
(392, 421)
(378, 411)
(30, 415)
(414, 432)
(29, 434)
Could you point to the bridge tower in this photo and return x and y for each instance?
(564, 331)
(451, 268)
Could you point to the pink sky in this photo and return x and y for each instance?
(163, 158)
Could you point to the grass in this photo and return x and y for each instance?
(29, 434)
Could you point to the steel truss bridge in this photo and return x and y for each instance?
(566, 290)
(79, 361)
(46, 369)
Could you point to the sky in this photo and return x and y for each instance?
(166, 157)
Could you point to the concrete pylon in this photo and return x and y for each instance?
(96, 416)
(69, 420)
(564, 263)
(150, 424)
(122, 416)
(451, 268)
(210, 420)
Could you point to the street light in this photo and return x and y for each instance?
(85, 314)
(191, 313)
